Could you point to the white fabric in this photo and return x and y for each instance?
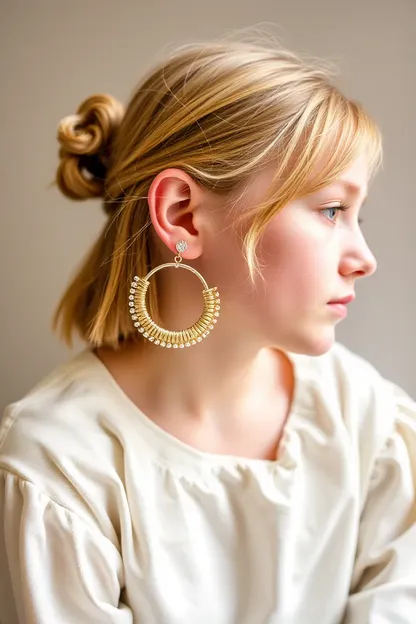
(105, 517)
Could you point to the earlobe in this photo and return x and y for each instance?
(173, 199)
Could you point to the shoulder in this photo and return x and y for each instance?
(62, 438)
(341, 375)
(61, 408)
(347, 398)
(354, 392)
(344, 366)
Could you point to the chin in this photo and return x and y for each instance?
(313, 345)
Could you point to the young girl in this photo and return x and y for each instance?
(213, 456)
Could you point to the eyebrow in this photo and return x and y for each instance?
(351, 187)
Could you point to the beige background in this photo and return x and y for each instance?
(55, 53)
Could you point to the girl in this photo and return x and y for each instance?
(213, 456)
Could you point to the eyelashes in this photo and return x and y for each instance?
(337, 210)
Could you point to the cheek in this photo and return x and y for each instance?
(225, 265)
(294, 266)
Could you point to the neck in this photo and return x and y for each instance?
(206, 382)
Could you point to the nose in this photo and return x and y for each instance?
(358, 260)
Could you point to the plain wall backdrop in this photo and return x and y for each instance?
(54, 54)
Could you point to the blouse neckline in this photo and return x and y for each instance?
(169, 448)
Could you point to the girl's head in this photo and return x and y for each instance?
(247, 152)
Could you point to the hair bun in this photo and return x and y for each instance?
(86, 139)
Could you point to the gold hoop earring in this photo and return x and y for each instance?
(165, 337)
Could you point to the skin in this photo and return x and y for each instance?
(232, 393)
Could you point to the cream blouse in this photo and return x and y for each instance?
(105, 517)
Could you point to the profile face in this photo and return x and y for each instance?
(310, 254)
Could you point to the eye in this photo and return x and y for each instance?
(332, 211)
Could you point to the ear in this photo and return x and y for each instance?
(175, 200)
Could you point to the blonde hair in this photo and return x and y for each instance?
(221, 112)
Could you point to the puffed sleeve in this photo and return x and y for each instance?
(53, 567)
(383, 587)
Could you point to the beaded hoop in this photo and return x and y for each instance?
(165, 337)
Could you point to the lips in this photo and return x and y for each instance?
(344, 300)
